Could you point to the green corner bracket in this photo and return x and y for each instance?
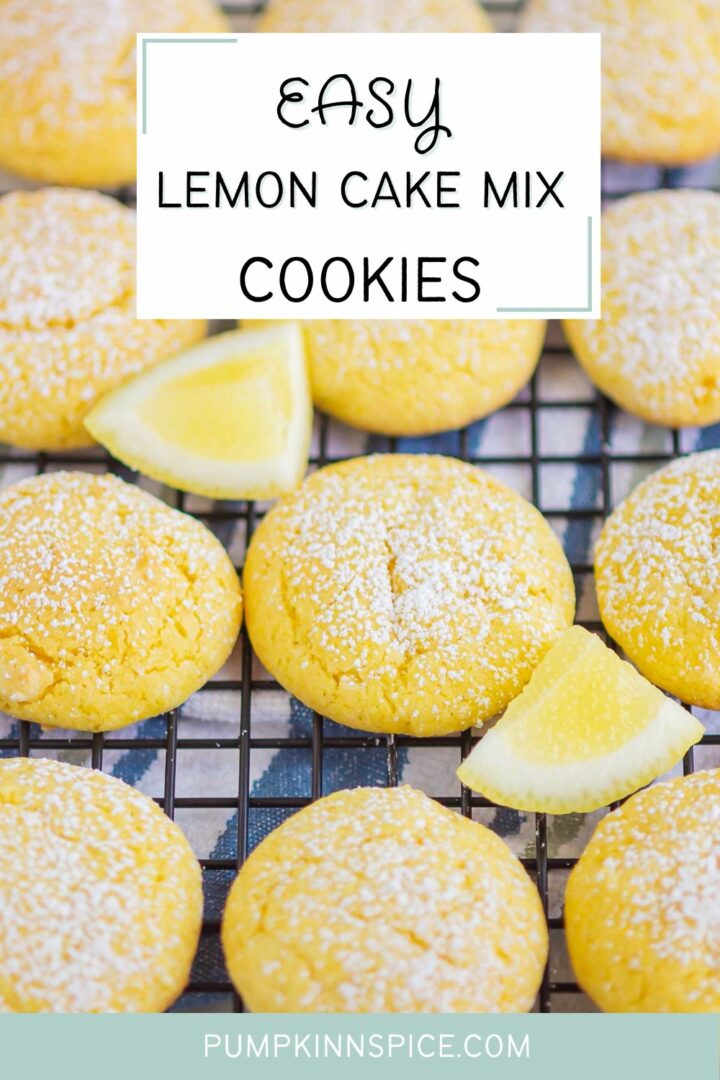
(226, 40)
(558, 310)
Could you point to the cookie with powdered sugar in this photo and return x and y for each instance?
(405, 593)
(68, 331)
(381, 900)
(656, 349)
(397, 377)
(100, 893)
(642, 909)
(660, 73)
(657, 576)
(113, 606)
(67, 83)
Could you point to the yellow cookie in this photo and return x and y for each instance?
(660, 73)
(381, 900)
(658, 578)
(418, 378)
(68, 332)
(101, 896)
(67, 83)
(113, 606)
(642, 910)
(405, 593)
(373, 16)
(656, 350)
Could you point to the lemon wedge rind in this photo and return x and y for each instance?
(512, 764)
(194, 451)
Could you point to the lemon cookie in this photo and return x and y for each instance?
(67, 83)
(373, 16)
(642, 910)
(113, 606)
(101, 896)
(379, 900)
(405, 593)
(68, 332)
(656, 349)
(660, 73)
(417, 378)
(658, 578)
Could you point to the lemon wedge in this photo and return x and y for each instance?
(587, 729)
(230, 418)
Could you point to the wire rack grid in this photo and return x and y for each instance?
(156, 754)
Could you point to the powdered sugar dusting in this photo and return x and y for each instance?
(383, 901)
(113, 607)
(658, 576)
(416, 592)
(68, 332)
(100, 895)
(650, 883)
(657, 347)
(61, 62)
(64, 257)
(661, 72)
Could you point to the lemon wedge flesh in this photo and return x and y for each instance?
(230, 418)
(587, 730)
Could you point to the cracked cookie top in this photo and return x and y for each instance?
(658, 577)
(68, 332)
(405, 593)
(113, 606)
(381, 900)
(100, 894)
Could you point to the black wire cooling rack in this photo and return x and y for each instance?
(165, 742)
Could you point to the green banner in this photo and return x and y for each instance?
(189, 1047)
